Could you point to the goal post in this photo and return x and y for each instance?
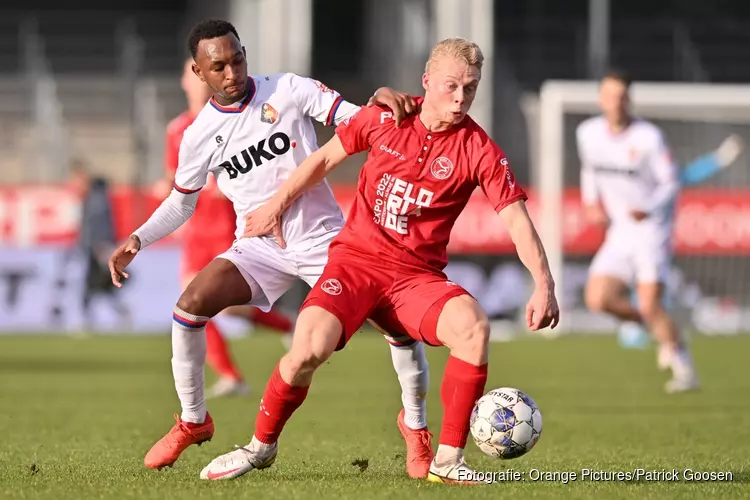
(697, 106)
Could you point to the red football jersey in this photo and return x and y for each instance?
(415, 183)
(214, 215)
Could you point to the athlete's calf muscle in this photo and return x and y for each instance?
(218, 286)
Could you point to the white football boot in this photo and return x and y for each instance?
(682, 384)
(227, 387)
(453, 472)
(240, 461)
(684, 378)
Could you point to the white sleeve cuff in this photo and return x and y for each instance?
(170, 215)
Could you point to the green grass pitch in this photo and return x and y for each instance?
(77, 416)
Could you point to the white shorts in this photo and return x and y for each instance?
(271, 271)
(641, 255)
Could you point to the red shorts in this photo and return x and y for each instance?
(198, 252)
(404, 302)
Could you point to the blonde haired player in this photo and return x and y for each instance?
(629, 183)
(387, 263)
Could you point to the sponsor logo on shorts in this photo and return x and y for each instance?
(331, 286)
(441, 168)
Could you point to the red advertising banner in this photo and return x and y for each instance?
(709, 222)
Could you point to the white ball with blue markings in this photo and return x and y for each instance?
(506, 423)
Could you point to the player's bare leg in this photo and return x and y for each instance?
(413, 372)
(672, 348)
(316, 336)
(219, 358)
(464, 328)
(218, 286)
(608, 294)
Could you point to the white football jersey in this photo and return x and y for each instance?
(253, 146)
(631, 170)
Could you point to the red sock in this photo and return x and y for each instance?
(463, 384)
(217, 354)
(272, 319)
(278, 403)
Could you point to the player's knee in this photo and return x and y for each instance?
(193, 301)
(477, 334)
(314, 342)
(473, 335)
(595, 299)
(309, 358)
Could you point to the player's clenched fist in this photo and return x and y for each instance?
(120, 259)
(542, 310)
(265, 220)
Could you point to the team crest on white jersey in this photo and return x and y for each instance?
(331, 286)
(268, 114)
(441, 168)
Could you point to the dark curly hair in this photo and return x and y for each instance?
(207, 29)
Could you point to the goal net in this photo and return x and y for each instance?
(709, 286)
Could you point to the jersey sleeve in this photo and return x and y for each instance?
(171, 152)
(316, 100)
(495, 177)
(192, 170)
(355, 132)
(665, 173)
(589, 191)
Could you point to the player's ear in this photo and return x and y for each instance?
(244, 52)
(425, 81)
(197, 72)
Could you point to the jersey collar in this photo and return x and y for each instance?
(239, 106)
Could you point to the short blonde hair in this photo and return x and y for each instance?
(456, 48)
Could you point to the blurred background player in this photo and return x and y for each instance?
(632, 334)
(208, 233)
(629, 183)
(96, 240)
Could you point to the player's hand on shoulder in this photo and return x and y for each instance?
(264, 221)
(400, 103)
(542, 311)
(121, 257)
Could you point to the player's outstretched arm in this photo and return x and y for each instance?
(542, 310)
(704, 167)
(267, 219)
(170, 215)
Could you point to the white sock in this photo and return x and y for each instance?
(413, 372)
(448, 454)
(188, 360)
(682, 364)
(260, 446)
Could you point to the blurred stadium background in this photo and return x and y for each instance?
(92, 82)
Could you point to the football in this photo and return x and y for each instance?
(506, 423)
